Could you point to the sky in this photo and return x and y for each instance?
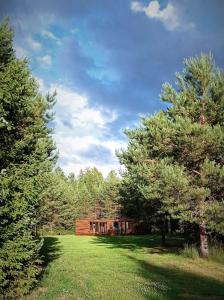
(107, 60)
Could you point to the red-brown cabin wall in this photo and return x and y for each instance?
(82, 227)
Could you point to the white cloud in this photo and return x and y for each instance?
(26, 28)
(137, 7)
(82, 132)
(45, 60)
(170, 16)
(34, 45)
(78, 108)
(48, 34)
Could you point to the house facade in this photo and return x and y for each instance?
(118, 226)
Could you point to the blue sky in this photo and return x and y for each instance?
(107, 60)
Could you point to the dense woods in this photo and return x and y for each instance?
(68, 198)
(173, 178)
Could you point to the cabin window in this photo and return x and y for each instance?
(103, 227)
(98, 227)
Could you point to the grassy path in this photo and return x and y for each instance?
(126, 268)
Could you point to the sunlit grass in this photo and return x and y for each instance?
(134, 267)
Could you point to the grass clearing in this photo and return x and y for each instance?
(125, 267)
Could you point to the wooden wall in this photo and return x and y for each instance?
(82, 227)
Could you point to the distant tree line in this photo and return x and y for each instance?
(68, 198)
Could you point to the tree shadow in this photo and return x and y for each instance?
(172, 283)
(50, 251)
(163, 282)
(150, 243)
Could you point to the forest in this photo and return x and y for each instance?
(172, 182)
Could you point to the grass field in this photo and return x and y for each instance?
(133, 267)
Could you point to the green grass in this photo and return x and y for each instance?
(133, 267)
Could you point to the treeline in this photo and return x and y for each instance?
(175, 159)
(67, 198)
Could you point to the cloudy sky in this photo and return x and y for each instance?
(107, 59)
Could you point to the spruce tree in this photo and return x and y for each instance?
(26, 154)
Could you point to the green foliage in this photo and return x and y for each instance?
(68, 198)
(89, 187)
(59, 205)
(110, 196)
(27, 153)
(98, 197)
(175, 158)
(6, 49)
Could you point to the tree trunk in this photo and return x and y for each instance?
(203, 240)
(163, 231)
(163, 237)
(169, 226)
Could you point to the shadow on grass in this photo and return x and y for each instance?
(172, 283)
(167, 282)
(50, 250)
(150, 243)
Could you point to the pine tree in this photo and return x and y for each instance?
(176, 156)
(60, 205)
(110, 196)
(89, 188)
(27, 153)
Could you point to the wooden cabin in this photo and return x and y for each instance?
(91, 226)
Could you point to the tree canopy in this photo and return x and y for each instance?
(175, 158)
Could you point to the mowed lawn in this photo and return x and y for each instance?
(133, 267)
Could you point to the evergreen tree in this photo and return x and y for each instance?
(176, 156)
(89, 188)
(27, 153)
(60, 205)
(110, 196)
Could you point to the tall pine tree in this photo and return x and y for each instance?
(26, 154)
(176, 157)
